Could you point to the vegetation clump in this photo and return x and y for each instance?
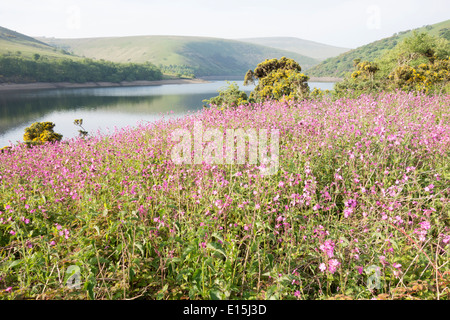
(230, 96)
(15, 68)
(358, 208)
(419, 63)
(40, 133)
(278, 79)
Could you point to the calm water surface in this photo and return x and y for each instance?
(104, 109)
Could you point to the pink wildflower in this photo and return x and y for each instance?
(425, 225)
(383, 260)
(322, 267)
(328, 248)
(332, 265)
(348, 212)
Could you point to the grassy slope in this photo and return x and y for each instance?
(308, 48)
(12, 42)
(207, 56)
(340, 65)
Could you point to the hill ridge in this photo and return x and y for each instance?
(206, 56)
(309, 48)
(340, 65)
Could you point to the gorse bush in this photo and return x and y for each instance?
(419, 63)
(41, 132)
(359, 208)
(277, 79)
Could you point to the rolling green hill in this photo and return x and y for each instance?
(342, 64)
(14, 43)
(307, 48)
(200, 55)
(24, 60)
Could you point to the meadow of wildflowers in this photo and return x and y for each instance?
(362, 185)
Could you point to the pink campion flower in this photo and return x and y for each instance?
(399, 219)
(348, 212)
(383, 260)
(421, 233)
(332, 265)
(360, 269)
(322, 267)
(425, 225)
(328, 248)
(397, 265)
(297, 294)
(9, 289)
(397, 272)
(446, 238)
(66, 233)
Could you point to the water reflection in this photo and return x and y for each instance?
(103, 109)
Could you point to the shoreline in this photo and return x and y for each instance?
(325, 79)
(4, 87)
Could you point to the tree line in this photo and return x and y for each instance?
(19, 69)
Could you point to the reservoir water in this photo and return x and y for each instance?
(104, 109)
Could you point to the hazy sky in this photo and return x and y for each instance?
(349, 23)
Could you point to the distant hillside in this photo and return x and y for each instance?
(24, 59)
(203, 56)
(307, 48)
(12, 42)
(342, 64)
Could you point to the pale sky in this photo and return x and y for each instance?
(341, 23)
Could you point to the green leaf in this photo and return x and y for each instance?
(270, 257)
(215, 294)
(15, 263)
(160, 294)
(216, 247)
(139, 246)
(89, 286)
